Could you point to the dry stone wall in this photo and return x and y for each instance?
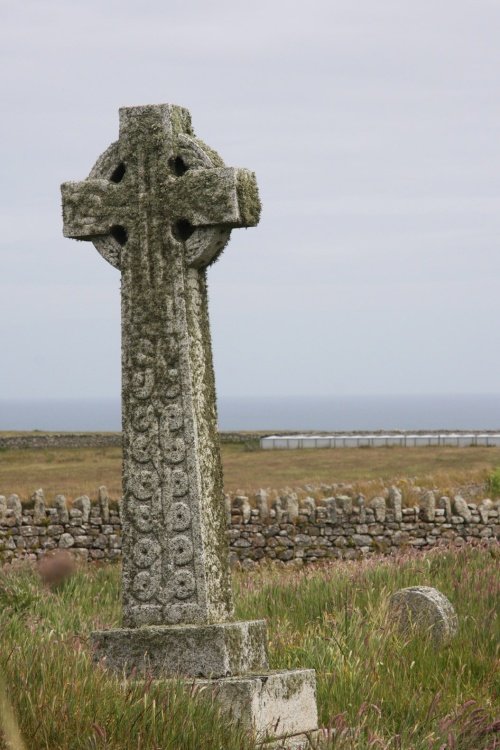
(91, 531)
(284, 528)
(346, 527)
(34, 440)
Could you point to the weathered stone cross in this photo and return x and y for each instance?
(159, 205)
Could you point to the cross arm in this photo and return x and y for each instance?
(222, 196)
(91, 208)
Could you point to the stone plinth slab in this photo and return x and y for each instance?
(273, 704)
(211, 651)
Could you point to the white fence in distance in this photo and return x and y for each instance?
(404, 440)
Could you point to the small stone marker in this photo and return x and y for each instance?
(159, 205)
(427, 609)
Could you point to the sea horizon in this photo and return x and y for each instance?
(275, 413)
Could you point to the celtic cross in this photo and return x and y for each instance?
(159, 205)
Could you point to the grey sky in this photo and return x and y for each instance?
(373, 128)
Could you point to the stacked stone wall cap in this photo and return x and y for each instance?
(83, 504)
(262, 504)
(361, 506)
(444, 503)
(290, 503)
(62, 508)
(428, 506)
(461, 508)
(309, 505)
(103, 498)
(38, 500)
(3, 507)
(14, 504)
(344, 502)
(242, 503)
(330, 504)
(278, 510)
(378, 505)
(394, 496)
(395, 503)
(484, 508)
(426, 609)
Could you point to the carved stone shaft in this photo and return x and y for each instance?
(159, 205)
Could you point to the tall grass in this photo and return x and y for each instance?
(63, 702)
(375, 688)
(373, 684)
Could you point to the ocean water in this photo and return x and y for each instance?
(459, 412)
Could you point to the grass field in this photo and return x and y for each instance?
(77, 471)
(376, 689)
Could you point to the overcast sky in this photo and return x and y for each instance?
(374, 129)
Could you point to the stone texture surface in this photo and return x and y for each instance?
(62, 508)
(103, 498)
(444, 503)
(395, 503)
(262, 504)
(273, 704)
(484, 509)
(379, 508)
(296, 742)
(83, 504)
(427, 609)
(212, 651)
(14, 504)
(461, 508)
(159, 205)
(290, 503)
(38, 500)
(319, 535)
(243, 504)
(428, 506)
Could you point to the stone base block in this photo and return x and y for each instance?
(158, 651)
(272, 705)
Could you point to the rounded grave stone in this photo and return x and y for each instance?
(427, 609)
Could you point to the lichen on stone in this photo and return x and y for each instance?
(147, 195)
